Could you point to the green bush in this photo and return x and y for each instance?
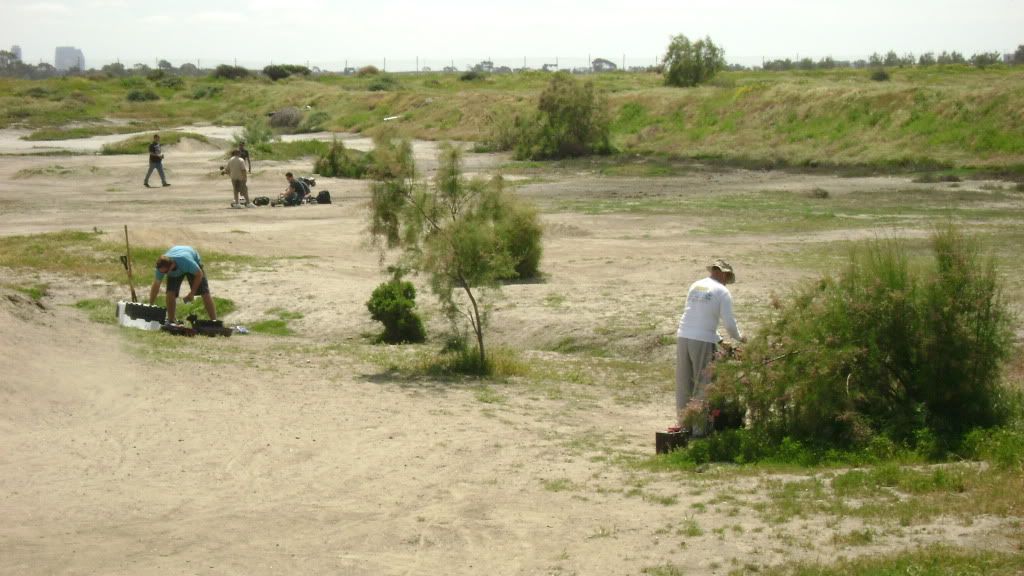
(880, 75)
(313, 122)
(206, 92)
(367, 71)
(572, 120)
(340, 162)
(172, 82)
(228, 72)
(383, 83)
(257, 134)
(518, 225)
(504, 127)
(691, 63)
(144, 95)
(275, 72)
(393, 303)
(910, 352)
(472, 75)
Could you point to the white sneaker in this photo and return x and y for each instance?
(250, 205)
(236, 205)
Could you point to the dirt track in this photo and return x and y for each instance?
(298, 455)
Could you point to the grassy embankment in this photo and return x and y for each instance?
(938, 118)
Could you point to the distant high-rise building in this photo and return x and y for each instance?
(16, 50)
(67, 57)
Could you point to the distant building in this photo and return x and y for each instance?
(16, 50)
(602, 65)
(67, 57)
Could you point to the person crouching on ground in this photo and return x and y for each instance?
(708, 301)
(296, 191)
(239, 179)
(177, 264)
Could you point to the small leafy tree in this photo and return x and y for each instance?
(1018, 56)
(691, 63)
(571, 120)
(449, 230)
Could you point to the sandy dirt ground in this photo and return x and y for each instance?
(302, 455)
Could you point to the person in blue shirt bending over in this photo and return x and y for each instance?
(177, 264)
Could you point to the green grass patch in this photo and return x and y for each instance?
(89, 255)
(36, 291)
(58, 170)
(276, 326)
(935, 560)
(140, 144)
(293, 150)
(98, 310)
(49, 134)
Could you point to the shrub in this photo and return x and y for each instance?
(313, 122)
(880, 75)
(142, 95)
(383, 83)
(571, 120)
(228, 72)
(504, 127)
(206, 92)
(518, 226)
(339, 162)
(256, 133)
(289, 117)
(367, 71)
(689, 63)
(172, 82)
(393, 303)
(472, 75)
(885, 348)
(275, 72)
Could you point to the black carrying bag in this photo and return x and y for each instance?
(261, 200)
(324, 197)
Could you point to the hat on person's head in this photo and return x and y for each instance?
(730, 276)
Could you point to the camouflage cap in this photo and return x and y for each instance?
(730, 276)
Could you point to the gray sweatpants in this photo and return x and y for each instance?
(692, 375)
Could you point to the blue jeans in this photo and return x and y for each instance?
(159, 167)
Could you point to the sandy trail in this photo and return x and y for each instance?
(264, 455)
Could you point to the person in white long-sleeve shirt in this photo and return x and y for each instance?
(708, 302)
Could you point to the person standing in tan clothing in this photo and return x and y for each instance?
(239, 179)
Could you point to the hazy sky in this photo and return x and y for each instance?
(328, 33)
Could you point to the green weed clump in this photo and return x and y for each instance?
(393, 304)
(887, 349)
(340, 162)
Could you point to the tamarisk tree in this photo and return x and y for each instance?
(451, 229)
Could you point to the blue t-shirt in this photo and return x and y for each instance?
(186, 261)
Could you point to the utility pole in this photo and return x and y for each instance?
(385, 69)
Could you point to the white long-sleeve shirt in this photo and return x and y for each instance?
(707, 302)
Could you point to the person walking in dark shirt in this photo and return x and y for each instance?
(156, 162)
